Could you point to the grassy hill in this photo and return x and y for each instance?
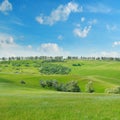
(32, 102)
(104, 74)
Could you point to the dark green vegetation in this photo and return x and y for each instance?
(47, 68)
(22, 96)
(68, 87)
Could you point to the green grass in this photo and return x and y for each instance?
(104, 74)
(31, 102)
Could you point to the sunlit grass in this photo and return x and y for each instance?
(31, 102)
(59, 106)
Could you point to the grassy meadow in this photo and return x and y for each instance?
(32, 102)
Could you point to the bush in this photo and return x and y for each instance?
(54, 69)
(76, 64)
(89, 87)
(69, 87)
(72, 87)
(43, 83)
(115, 90)
(60, 87)
(22, 82)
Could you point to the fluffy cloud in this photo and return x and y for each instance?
(116, 43)
(60, 14)
(8, 47)
(5, 6)
(98, 8)
(82, 33)
(52, 49)
(6, 40)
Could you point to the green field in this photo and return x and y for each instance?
(32, 102)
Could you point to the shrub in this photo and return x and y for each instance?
(89, 87)
(115, 90)
(76, 64)
(72, 87)
(49, 83)
(43, 83)
(60, 87)
(22, 82)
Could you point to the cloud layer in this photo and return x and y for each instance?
(60, 14)
(8, 47)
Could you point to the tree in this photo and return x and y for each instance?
(72, 87)
(89, 87)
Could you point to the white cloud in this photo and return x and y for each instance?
(111, 27)
(6, 39)
(60, 14)
(52, 49)
(98, 8)
(5, 6)
(60, 37)
(116, 43)
(82, 33)
(8, 48)
(82, 19)
(47, 48)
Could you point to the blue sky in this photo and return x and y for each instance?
(55, 28)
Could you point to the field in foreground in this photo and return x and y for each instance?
(31, 102)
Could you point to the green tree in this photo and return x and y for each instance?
(89, 87)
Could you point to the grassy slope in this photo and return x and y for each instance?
(30, 102)
(104, 74)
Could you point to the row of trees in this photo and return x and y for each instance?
(71, 86)
(58, 58)
(68, 87)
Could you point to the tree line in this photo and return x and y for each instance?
(58, 58)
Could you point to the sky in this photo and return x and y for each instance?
(60, 28)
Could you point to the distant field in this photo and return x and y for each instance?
(32, 102)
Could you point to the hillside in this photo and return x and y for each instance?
(103, 74)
